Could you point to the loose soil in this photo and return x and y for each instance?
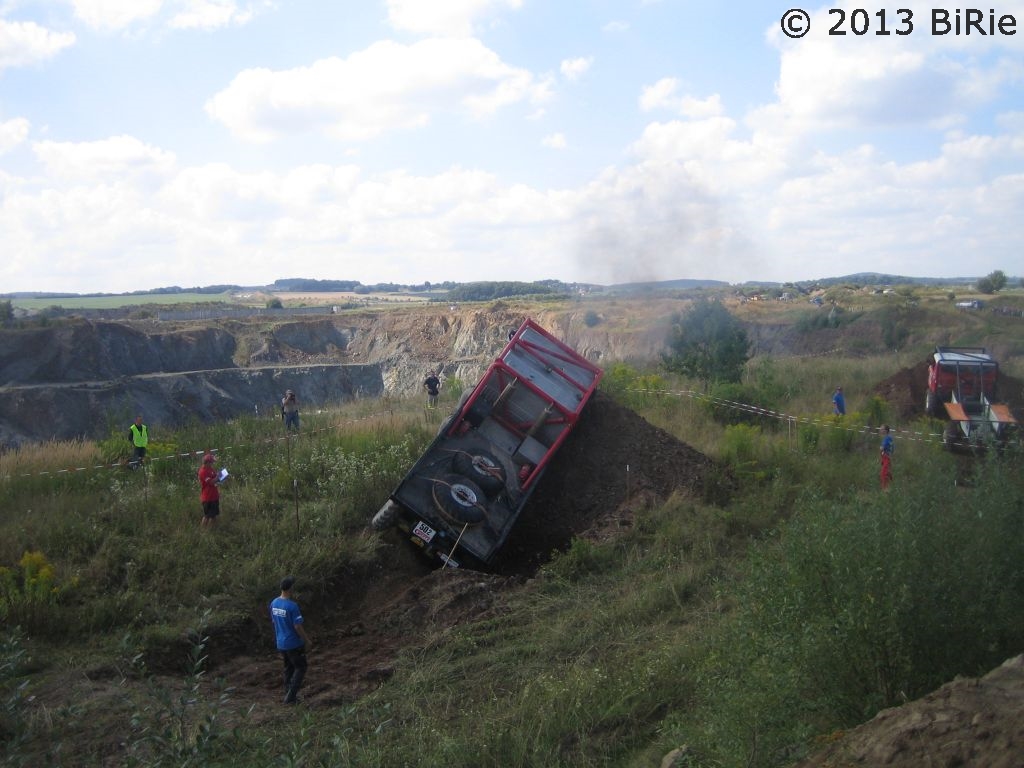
(613, 464)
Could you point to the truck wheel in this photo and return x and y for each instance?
(459, 500)
(481, 467)
(951, 435)
(386, 516)
(931, 404)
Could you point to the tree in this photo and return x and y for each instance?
(6, 313)
(708, 343)
(994, 281)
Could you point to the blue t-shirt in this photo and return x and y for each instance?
(839, 403)
(887, 444)
(285, 614)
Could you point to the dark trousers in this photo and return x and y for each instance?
(294, 671)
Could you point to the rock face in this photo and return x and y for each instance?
(83, 379)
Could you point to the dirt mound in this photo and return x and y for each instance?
(968, 722)
(359, 627)
(613, 463)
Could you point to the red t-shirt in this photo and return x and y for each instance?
(208, 490)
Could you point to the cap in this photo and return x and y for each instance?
(287, 583)
(209, 458)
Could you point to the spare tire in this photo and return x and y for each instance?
(459, 500)
(386, 516)
(482, 468)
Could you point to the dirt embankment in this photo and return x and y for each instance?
(361, 622)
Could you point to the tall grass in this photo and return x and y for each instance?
(803, 605)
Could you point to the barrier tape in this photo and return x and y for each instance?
(189, 454)
(902, 434)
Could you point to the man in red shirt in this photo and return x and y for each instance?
(209, 491)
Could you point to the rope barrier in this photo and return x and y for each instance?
(190, 454)
(903, 434)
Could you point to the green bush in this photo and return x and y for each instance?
(731, 403)
(862, 604)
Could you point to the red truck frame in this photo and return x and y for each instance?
(461, 498)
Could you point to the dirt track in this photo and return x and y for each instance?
(359, 630)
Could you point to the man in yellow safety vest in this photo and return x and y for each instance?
(138, 435)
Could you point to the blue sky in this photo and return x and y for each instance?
(148, 143)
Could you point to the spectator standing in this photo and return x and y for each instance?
(290, 411)
(433, 386)
(291, 638)
(885, 455)
(138, 436)
(838, 402)
(209, 491)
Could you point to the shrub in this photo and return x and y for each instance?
(863, 603)
(28, 596)
(738, 404)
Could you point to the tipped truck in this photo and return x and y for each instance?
(462, 497)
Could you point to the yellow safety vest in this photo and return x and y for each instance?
(140, 437)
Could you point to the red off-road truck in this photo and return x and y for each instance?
(962, 385)
(461, 498)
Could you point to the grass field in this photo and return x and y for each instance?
(126, 300)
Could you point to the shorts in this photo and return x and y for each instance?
(211, 508)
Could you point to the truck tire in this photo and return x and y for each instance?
(931, 404)
(482, 468)
(459, 500)
(386, 516)
(951, 436)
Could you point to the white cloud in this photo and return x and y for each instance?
(386, 87)
(12, 133)
(115, 14)
(23, 43)
(555, 141)
(209, 14)
(856, 81)
(120, 15)
(443, 18)
(109, 157)
(662, 95)
(615, 26)
(574, 69)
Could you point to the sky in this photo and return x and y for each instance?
(154, 143)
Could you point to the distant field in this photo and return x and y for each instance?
(147, 299)
(341, 297)
(249, 299)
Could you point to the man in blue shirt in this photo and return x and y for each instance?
(885, 453)
(291, 639)
(838, 402)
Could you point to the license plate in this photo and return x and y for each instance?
(424, 531)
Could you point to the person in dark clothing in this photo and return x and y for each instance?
(291, 638)
(433, 385)
(290, 411)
